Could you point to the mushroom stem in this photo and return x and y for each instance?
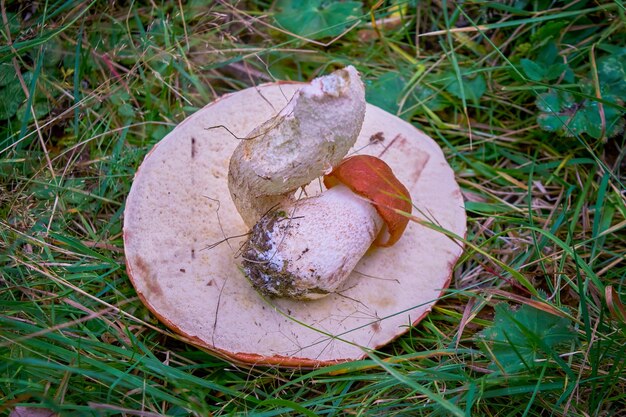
(303, 142)
(306, 249)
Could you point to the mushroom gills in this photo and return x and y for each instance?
(300, 250)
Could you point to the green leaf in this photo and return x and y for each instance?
(555, 101)
(524, 338)
(569, 76)
(53, 53)
(7, 74)
(41, 108)
(612, 76)
(611, 70)
(316, 19)
(386, 91)
(561, 114)
(429, 98)
(554, 71)
(126, 110)
(487, 208)
(548, 31)
(548, 64)
(390, 89)
(590, 115)
(474, 86)
(14, 23)
(548, 54)
(119, 98)
(11, 98)
(551, 122)
(533, 70)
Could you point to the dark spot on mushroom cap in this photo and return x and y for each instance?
(377, 137)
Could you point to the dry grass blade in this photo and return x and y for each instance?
(615, 305)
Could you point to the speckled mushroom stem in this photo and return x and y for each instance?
(303, 142)
(306, 250)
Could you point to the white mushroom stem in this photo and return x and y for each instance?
(303, 142)
(307, 249)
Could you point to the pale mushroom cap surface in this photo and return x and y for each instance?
(179, 205)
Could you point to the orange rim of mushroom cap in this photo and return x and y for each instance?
(373, 179)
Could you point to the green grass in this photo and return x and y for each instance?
(100, 83)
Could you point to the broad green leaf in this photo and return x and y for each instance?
(580, 121)
(11, 98)
(385, 92)
(554, 71)
(53, 53)
(555, 101)
(429, 98)
(551, 122)
(389, 90)
(612, 76)
(159, 133)
(561, 114)
(569, 76)
(119, 98)
(72, 194)
(316, 19)
(548, 31)
(548, 54)
(41, 108)
(474, 86)
(126, 110)
(524, 338)
(533, 70)
(7, 74)
(611, 70)
(613, 119)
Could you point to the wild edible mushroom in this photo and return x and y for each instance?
(306, 249)
(179, 208)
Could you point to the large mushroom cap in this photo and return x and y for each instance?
(179, 207)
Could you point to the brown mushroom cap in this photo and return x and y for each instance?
(372, 178)
(179, 207)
